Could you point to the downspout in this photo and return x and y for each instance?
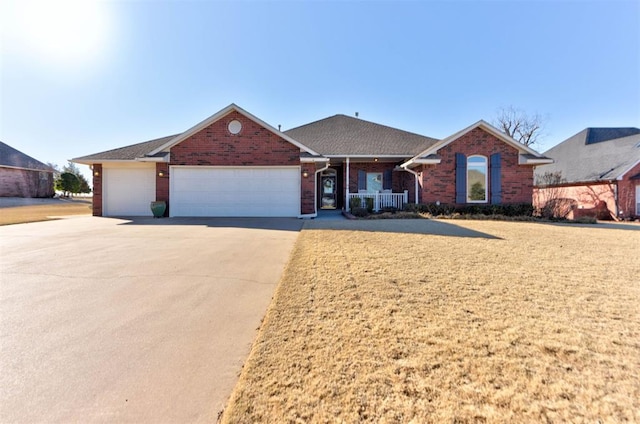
(415, 175)
(346, 192)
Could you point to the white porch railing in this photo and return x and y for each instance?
(380, 200)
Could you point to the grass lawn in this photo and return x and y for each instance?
(45, 212)
(536, 323)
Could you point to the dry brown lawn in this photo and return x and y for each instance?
(35, 213)
(539, 324)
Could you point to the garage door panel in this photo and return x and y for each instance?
(128, 191)
(201, 191)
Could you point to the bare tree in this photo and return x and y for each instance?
(517, 124)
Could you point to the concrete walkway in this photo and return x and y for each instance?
(109, 320)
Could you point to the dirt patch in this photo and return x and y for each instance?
(47, 210)
(532, 323)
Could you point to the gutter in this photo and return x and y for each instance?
(404, 167)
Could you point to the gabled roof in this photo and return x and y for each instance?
(220, 114)
(10, 157)
(157, 149)
(127, 153)
(342, 135)
(581, 159)
(528, 156)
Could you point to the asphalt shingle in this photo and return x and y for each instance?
(580, 159)
(16, 159)
(345, 135)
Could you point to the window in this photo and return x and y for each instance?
(374, 181)
(477, 179)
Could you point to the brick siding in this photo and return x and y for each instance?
(25, 183)
(253, 146)
(438, 182)
(97, 189)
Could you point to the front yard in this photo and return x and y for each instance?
(532, 323)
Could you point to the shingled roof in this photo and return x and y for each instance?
(342, 135)
(591, 155)
(16, 159)
(131, 152)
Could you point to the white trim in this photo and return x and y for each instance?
(26, 169)
(486, 180)
(480, 124)
(366, 156)
(92, 161)
(310, 160)
(157, 159)
(622, 174)
(221, 114)
(538, 161)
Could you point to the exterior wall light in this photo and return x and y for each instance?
(96, 173)
(305, 174)
(160, 173)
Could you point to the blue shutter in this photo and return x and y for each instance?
(496, 179)
(386, 179)
(362, 179)
(461, 178)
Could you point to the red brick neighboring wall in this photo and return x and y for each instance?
(439, 181)
(25, 183)
(97, 189)
(627, 193)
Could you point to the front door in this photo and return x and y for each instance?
(328, 189)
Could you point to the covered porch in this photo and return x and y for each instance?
(372, 182)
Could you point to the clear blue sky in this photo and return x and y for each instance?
(79, 77)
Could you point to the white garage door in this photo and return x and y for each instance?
(206, 191)
(128, 191)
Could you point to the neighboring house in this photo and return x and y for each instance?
(234, 164)
(22, 175)
(600, 173)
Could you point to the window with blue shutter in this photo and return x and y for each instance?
(362, 180)
(461, 178)
(496, 179)
(386, 180)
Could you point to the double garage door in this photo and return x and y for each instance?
(205, 191)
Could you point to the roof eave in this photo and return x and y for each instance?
(522, 160)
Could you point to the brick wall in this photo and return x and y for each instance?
(439, 181)
(254, 145)
(25, 183)
(307, 188)
(162, 184)
(97, 189)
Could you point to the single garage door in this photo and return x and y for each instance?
(245, 191)
(128, 191)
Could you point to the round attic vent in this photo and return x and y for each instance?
(235, 126)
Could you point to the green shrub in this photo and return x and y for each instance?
(355, 202)
(369, 203)
(359, 212)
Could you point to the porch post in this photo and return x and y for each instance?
(346, 199)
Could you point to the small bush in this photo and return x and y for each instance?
(389, 209)
(355, 202)
(359, 212)
(369, 203)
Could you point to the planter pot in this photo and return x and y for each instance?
(158, 209)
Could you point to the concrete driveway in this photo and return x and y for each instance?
(106, 320)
